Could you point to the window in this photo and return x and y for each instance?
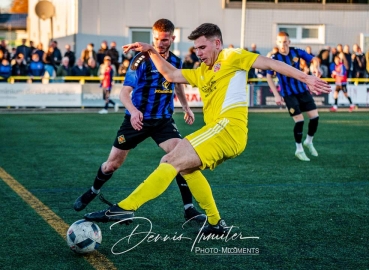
(304, 34)
(140, 35)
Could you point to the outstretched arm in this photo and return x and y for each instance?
(169, 72)
(315, 84)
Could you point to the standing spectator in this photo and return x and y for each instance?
(123, 68)
(106, 84)
(71, 56)
(5, 70)
(36, 68)
(358, 62)
(39, 50)
(113, 54)
(324, 57)
(56, 56)
(80, 69)
(32, 47)
(339, 73)
(253, 72)
(5, 51)
(102, 52)
(194, 57)
(92, 67)
(88, 53)
(64, 69)
(253, 48)
(309, 51)
(48, 60)
(25, 50)
(347, 60)
(19, 68)
(187, 62)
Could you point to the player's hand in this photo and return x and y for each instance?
(137, 46)
(279, 100)
(189, 117)
(317, 85)
(136, 120)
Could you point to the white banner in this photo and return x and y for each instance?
(38, 94)
(359, 95)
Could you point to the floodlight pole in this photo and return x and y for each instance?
(243, 24)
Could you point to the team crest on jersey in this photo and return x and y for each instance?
(295, 59)
(216, 67)
(121, 139)
(292, 110)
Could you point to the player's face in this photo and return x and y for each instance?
(162, 41)
(283, 44)
(207, 49)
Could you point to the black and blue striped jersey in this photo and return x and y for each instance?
(290, 86)
(152, 94)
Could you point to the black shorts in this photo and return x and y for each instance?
(297, 104)
(341, 87)
(160, 130)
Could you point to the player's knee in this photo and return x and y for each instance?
(110, 167)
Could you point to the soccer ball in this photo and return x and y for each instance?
(84, 236)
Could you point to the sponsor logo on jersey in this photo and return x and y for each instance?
(165, 91)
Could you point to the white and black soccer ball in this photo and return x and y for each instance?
(84, 236)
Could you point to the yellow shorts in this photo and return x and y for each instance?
(219, 141)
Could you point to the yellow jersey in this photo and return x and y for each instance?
(223, 86)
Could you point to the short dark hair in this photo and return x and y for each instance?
(163, 25)
(208, 30)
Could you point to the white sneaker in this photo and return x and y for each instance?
(116, 107)
(103, 111)
(311, 148)
(301, 155)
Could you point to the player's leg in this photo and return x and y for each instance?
(335, 97)
(220, 145)
(106, 99)
(126, 138)
(167, 137)
(293, 107)
(344, 90)
(308, 105)
(104, 173)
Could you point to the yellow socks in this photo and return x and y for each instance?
(152, 187)
(201, 191)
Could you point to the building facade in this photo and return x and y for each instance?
(314, 23)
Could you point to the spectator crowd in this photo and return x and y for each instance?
(28, 60)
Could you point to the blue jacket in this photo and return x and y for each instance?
(5, 71)
(36, 69)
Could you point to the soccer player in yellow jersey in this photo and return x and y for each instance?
(221, 79)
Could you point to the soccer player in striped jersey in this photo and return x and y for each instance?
(296, 94)
(221, 79)
(148, 114)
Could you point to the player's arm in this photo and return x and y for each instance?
(277, 96)
(170, 73)
(189, 117)
(136, 115)
(315, 84)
